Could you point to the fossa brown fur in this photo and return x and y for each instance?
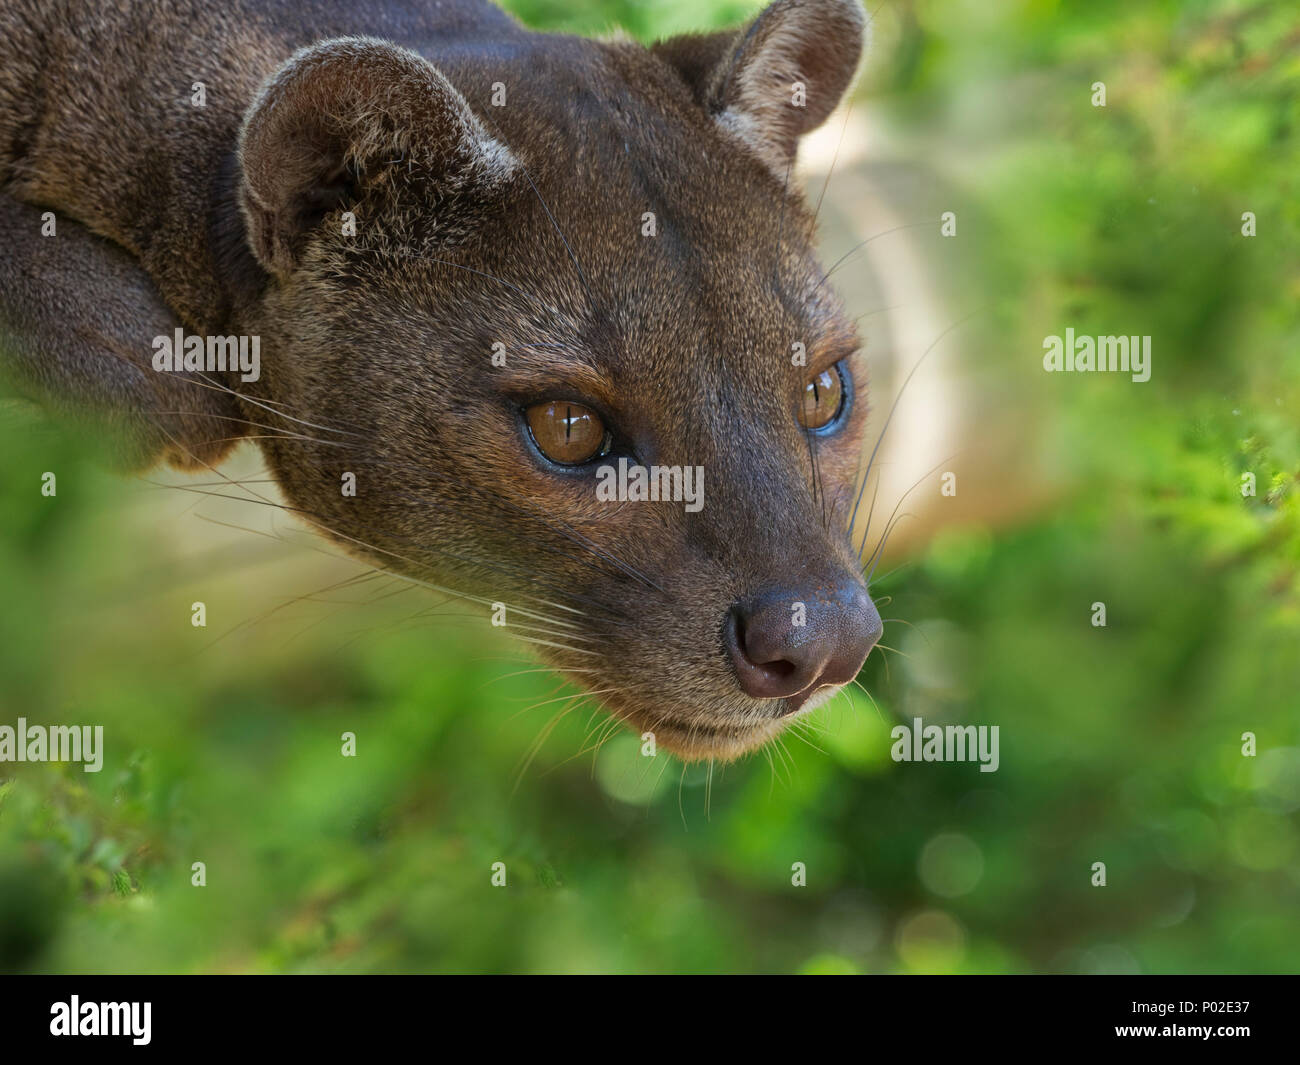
(480, 220)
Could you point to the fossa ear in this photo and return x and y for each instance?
(777, 79)
(348, 117)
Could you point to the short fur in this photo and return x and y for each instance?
(476, 224)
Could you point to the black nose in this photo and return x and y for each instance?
(776, 657)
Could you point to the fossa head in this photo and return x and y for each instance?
(492, 277)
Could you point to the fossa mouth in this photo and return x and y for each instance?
(714, 735)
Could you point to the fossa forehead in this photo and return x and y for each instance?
(635, 152)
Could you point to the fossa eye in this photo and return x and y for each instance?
(568, 434)
(822, 399)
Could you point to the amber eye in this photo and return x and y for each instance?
(823, 396)
(568, 434)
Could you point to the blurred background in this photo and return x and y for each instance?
(1119, 744)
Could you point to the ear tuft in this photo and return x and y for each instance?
(780, 78)
(333, 120)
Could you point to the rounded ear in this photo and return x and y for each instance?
(778, 79)
(338, 117)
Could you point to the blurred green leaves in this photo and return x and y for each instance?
(1119, 744)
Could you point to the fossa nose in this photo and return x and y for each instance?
(785, 643)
